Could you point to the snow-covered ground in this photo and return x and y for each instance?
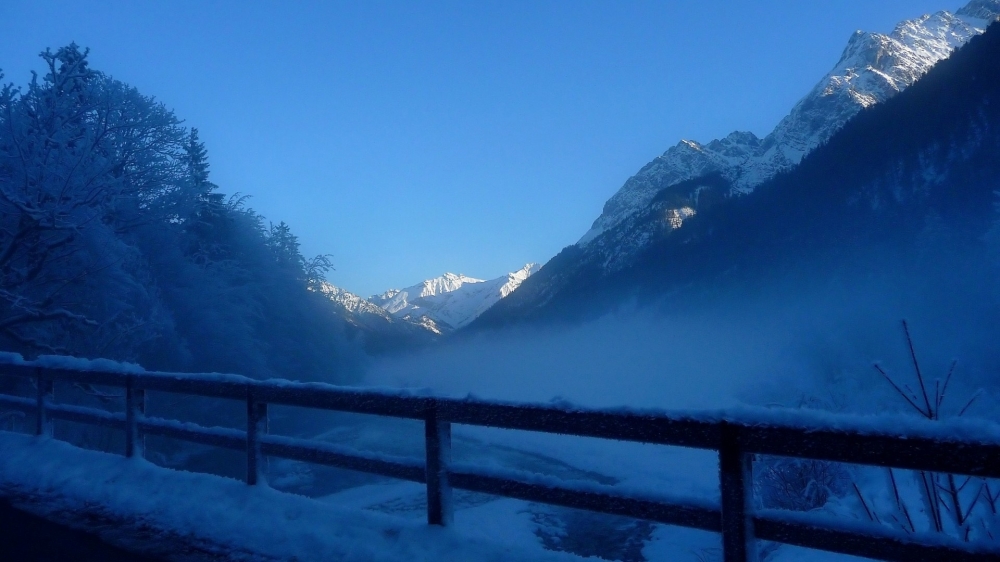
(710, 360)
(189, 516)
(701, 362)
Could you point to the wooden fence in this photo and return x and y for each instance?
(736, 441)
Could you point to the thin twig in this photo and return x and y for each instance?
(899, 502)
(895, 488)
(947, 380)
(909, 519)
(972, 505)
(953, 491)
(898, 389)
(993, 498)
(864, 504)
(969, 403)
(937, 395)
(963, 484)
(916, 366)
(933, 500)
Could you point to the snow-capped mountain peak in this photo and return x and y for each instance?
(380, 328)
(982, 10)
(872, 68)
(396, 300)
(445, 284)
(452, 299)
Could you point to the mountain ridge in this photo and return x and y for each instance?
(451, 300)
(799, 206)
(872, 68)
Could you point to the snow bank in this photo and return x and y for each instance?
(173, 511)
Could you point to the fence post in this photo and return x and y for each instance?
(736, 486)
(256, 426)
(45, 394)
(135, 407)
(437, 435)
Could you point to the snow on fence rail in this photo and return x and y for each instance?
(737, 435)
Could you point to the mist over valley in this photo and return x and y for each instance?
(842, 268)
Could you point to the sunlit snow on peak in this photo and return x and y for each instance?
(452, 300)
(872, 68)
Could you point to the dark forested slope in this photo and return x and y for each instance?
(927, 160)
(115, 243)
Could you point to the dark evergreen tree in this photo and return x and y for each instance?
(285, 246)
(196, 159)
(208, 219)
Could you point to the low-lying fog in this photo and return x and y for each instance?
(803, 343)
(797, 342)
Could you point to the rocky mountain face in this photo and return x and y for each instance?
(691, 178)
(378, 329)
(877, 166)
(873, 68)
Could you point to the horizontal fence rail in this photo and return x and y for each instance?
(736, 436)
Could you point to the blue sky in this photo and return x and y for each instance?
(413, 138)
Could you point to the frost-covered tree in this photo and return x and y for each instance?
(114, 241)
(82, 159)
(285, 246)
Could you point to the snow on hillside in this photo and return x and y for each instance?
(352, 302)
(367, 315)
(396, 300)
(873, 67)
(452, 300)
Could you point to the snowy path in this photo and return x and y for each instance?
(188, 516)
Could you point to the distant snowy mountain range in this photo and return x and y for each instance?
(451, 300)
(434, 307)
